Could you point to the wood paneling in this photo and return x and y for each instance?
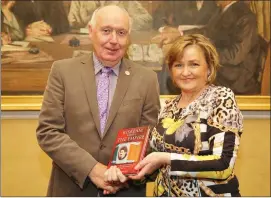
(25, 169)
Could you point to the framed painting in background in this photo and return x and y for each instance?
(36, 33)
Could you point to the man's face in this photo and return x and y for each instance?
(122, 154)
(110, 36)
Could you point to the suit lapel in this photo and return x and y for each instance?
(124, 79)
(88, 78)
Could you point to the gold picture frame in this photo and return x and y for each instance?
(38, 71)
(33, 103)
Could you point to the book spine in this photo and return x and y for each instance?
(145, 144)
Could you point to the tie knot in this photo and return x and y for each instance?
(106, 70)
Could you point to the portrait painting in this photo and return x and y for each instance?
(126, 153)
(122, 153)
(34, 34)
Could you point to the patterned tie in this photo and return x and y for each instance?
(103, 95)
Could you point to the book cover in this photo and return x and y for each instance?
(129, 148)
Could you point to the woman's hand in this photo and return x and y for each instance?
(151, 163)
(114, 176)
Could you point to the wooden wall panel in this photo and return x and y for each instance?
(26, 169)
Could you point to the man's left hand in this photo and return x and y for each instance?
(114, 177)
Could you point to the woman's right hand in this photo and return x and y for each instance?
(151, 163)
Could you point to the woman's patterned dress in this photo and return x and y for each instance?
(203, 140)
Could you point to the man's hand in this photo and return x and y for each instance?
(151, 163)
(5, 38)
(97, 177)
(114, 176)
(168, 29)
(167, 35)
(39, 28)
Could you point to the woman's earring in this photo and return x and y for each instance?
(208, 76)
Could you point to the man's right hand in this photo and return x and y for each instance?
(97, 177)
(169, 35)
(166, 36)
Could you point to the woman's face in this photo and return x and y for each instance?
(190, 71)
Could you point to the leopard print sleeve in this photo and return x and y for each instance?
(226, 115)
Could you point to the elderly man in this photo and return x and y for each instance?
(87, 100)
(233, 30)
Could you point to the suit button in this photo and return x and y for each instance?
(102, 147)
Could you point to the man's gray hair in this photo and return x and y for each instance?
(93, 19)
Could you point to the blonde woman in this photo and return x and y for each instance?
(198, 133)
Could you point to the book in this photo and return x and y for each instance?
(84, 31)
(129, 148)
(25, 57)
(15, 46)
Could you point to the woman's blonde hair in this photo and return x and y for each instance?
(209, 50)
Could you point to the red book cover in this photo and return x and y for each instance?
(129, 148)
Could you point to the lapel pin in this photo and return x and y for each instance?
(127, 73)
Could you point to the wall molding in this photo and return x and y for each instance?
(35, 114)
(32, 103)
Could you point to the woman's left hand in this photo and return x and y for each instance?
(150, 163)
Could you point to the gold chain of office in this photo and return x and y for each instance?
(159, 139)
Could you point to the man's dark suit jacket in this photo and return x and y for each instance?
(184, 13)
(52, 12)
(69, 126)
(235, 35)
